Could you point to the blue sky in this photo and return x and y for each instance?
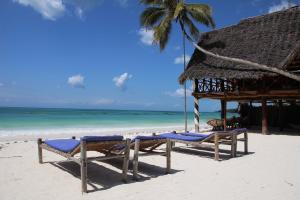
(93, 54)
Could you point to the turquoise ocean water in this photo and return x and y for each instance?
(16, 121)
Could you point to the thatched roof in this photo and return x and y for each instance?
(271, 39)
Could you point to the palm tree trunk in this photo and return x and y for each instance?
(185, 100)
(246, 62)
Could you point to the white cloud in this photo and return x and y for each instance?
(123, 3)
(282, 6)
(53, 9)
(104, 101)
(76, 81)
(79, 12)
(121, 80)
(146, 36)
(180, 92)
(49, 9)
(180, 59)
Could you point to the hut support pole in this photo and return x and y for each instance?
(196, 114)
(281, 124)
(264, 123)
(196, 106)
(224, 113)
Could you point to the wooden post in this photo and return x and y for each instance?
(73, 137)
(83, 166)
(136, 158)
(168, 151)
(40, 151)
(216, 146)
(224, 113)
(126, 160)
(246, 143)
(233, 145)
(264, 122)
(280, 116)
(196, 107)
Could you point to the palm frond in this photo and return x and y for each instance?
(201, 13)
(151, 16)
(191, 26)
(178, 10)
(162, 31)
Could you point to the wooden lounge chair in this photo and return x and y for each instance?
(212, 140)
(107, 145)
(148, 146)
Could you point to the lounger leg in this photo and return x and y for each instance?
(168, 151)
(232, 145)
(83, 166)
(216, 147)
(40, 151)
(246, 143)
(126, 160)
(235, 144)
(135, 159)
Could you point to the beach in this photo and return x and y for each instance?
(269, 171)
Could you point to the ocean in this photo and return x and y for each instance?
(31, 121)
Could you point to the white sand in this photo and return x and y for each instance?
(270, 171)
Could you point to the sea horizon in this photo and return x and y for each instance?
(15, 121)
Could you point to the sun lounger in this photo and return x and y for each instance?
(107, 145)
(212, 140)
(147, 146)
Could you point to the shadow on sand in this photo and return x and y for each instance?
(99, 175)
(208, 153)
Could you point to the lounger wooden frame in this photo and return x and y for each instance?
(149, 148)
(214, 140)
(105, 147)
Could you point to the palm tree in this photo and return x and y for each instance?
(160, 15)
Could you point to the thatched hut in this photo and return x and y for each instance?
(271, 39)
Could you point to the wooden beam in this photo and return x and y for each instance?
(264, 123)
(250, 95)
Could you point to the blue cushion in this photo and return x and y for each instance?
(64, 145)
(175, 136)
(240, 130)
(194, 134)
(101, 138)
(143, 138)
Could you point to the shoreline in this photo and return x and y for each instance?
(63, 133)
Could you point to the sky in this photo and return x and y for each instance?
(94, 54)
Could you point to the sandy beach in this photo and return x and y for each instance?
(269, 171)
